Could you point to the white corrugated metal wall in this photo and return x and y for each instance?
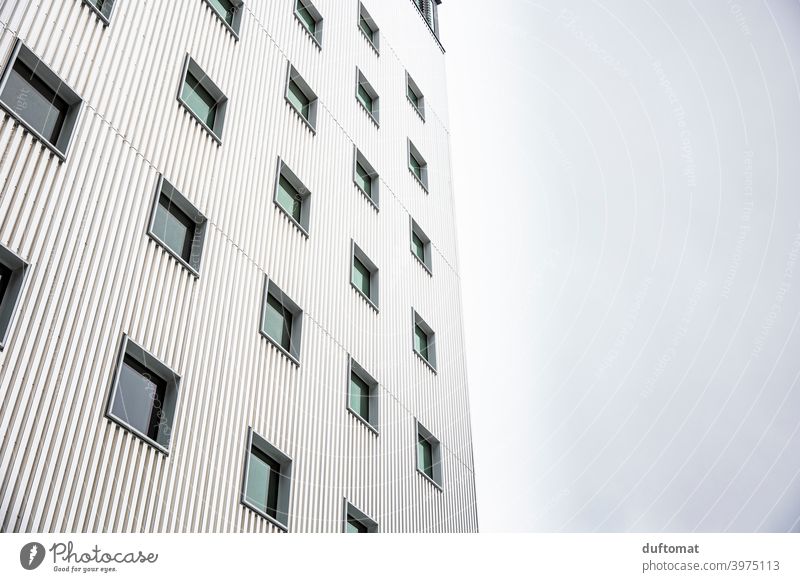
(95, 274)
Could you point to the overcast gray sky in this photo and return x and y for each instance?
(628, 184)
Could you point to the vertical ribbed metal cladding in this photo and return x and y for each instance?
(95, 275)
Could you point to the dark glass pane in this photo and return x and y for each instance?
(278, 322)
(174, 228)
(421, 341)
(424, 456)
(359, 396)
(416, 167)
(298, 99)
(139, 399)
(361, 277)
(5, 277)
(199, 100)
(225, 9)
(413, 97)
(363, 179)
(355, 526)
(289, 198)
(418, 246)
(263, 482)
(307, 18)
(34, 102)
(362, 22)
(364, 97)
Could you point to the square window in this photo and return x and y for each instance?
(281, 321)
(366, 178)
(429, 456)
(417, 165)
(144, 395)
(230, 13)
(302, 99)
(424, 340)
(421, 247)
(267, 480)
(415, 96)
(178, 226)
(292, 197)
(362, 395)
(13, 271)
(202, 99)
(356, 521)
(368, 27)
(364, 275)
(367, 96)
(310, 18)
(102, 8)
(39, 100)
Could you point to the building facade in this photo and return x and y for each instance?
(229, 286)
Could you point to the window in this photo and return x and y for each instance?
(178, 226)
(429, 11)
(281, 321)
(362, 396)
(310, 18)
(424, 340)
(356, 521)
(364, 275)
(202, 99)
(429, 456)
(267, 480)
(39, 100)
(367, 96)
(366, 178)
(415, 96)
(143, 395)
(230, 13)
(292, 197)
(102, 8)
(417, 165)
(367, 26)
(12, 276)
(300, 96)
(421, 247)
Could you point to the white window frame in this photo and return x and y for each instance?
(47, 76)
(181, 203)
(359, 516)
(422, 179)
(373, 299)
(11, 298)
(296, 333)
(236, 26)
(190, 65)
(105, 14)
(361, 81)
(316, 36)
(411, 84)
(284, 483)
(158, 368)
(304, 224)
(414, 228)
(373, 422)
(375, 41)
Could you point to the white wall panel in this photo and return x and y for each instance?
(96, 275)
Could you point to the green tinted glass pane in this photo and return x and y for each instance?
(263, 481)
(363, 179)
(416, 167)
(278, 322)
(173, 228)
(362, 22)
(298, 99)
(225, 9)
(421, 341)
(413, 97)
(359, 396)
(200, 101)
(289, 199)
(365, 98)
(418, 246)
(361, 276)
(355, 526)
(424, 456)
(306, 18)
